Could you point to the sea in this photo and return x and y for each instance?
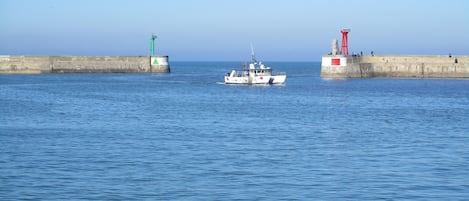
(188, 136)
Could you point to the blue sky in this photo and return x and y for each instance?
(216, 30)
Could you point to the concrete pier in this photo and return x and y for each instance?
(396, 66)
(83, 64)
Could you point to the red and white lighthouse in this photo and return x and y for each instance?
(336, 60)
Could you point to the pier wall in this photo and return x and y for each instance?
(399, 66)
(83, 64)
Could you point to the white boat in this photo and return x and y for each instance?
(256, 73)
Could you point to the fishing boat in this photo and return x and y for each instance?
(254, 73)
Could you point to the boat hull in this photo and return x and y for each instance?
(248, 80)
(278, 79)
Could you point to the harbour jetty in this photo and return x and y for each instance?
(17, 64)
(83, 64)
(339, 64)
(397, 66)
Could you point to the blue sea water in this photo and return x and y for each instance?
(187, 136)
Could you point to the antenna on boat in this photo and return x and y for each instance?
(253, 56)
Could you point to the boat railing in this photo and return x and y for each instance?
(259, 72)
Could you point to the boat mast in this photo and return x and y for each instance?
(253, 56)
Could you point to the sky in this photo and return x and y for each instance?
(223, 30)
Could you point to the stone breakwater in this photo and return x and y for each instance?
(396, 66)
(83, 64)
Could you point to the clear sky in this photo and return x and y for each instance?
(222, 30)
